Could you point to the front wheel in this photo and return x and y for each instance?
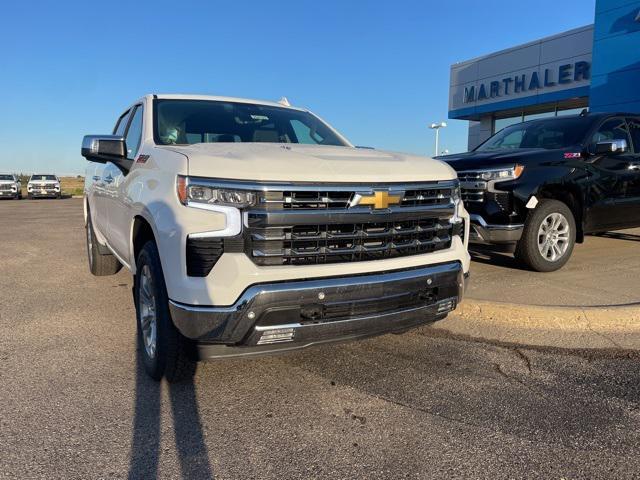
(548, 238)
(165, 351)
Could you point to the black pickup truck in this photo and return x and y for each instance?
(541, 186)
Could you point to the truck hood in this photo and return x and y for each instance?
(308, 163)
(499, 158)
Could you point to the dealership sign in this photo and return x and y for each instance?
(562, 75)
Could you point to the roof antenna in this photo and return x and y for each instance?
(584, 112)
(284, 101)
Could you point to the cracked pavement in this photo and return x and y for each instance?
(74, 402)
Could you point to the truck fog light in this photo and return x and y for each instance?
(251, 315)
(321, 296)
(277, 335)
(446, 306)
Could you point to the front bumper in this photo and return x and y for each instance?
(291, 315)
(8, 193)
(46, 194)
(482, 232)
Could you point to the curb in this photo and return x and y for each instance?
(558, 327)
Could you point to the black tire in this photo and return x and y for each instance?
(528, 250)
(175, 355)
(100, 264)
(29, 196)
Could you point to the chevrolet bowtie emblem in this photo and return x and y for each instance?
(379, 199)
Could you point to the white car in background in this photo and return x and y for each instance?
(44, 186)
(10, 186)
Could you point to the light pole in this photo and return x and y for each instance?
(437, 127)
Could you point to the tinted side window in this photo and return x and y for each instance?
(121, 124)
(134, 134)
(634, 128)
(614, 129)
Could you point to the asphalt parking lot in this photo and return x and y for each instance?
(74, 403)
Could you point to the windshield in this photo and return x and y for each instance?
(547, 134)
(185, 122)
(6, 177)
(40, 178)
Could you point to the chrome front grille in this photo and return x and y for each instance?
(334, 243)
(47, 187)
(472, 186)
(335, 199)
(5, 187)
(306, 225)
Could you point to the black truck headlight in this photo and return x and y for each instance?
(190, 192)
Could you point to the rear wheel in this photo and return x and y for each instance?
(548, 238)
(100, 264)
(165, 351)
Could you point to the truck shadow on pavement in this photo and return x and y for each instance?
(191, 448)
(621, 236)
(483, 254)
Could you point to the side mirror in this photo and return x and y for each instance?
(106, 148)
(612, 147)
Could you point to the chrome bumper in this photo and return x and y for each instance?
(292, 315)
(482, 232)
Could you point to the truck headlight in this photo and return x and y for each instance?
(502, 174)
(14, 187)
(203, 194)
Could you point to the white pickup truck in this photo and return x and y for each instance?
(44, 186)
(10, 186)
(252, 227)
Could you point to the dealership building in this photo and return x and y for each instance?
(595, 67)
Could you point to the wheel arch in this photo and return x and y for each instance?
(141, 233)
(572, 197)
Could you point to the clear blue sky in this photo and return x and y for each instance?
(377, 70)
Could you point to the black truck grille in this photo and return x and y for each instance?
(472, 187)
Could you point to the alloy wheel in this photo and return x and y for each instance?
(147, 309)
(554, 237)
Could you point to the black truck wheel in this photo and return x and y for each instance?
(100, 264)
(548, 238)
(164, 350)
